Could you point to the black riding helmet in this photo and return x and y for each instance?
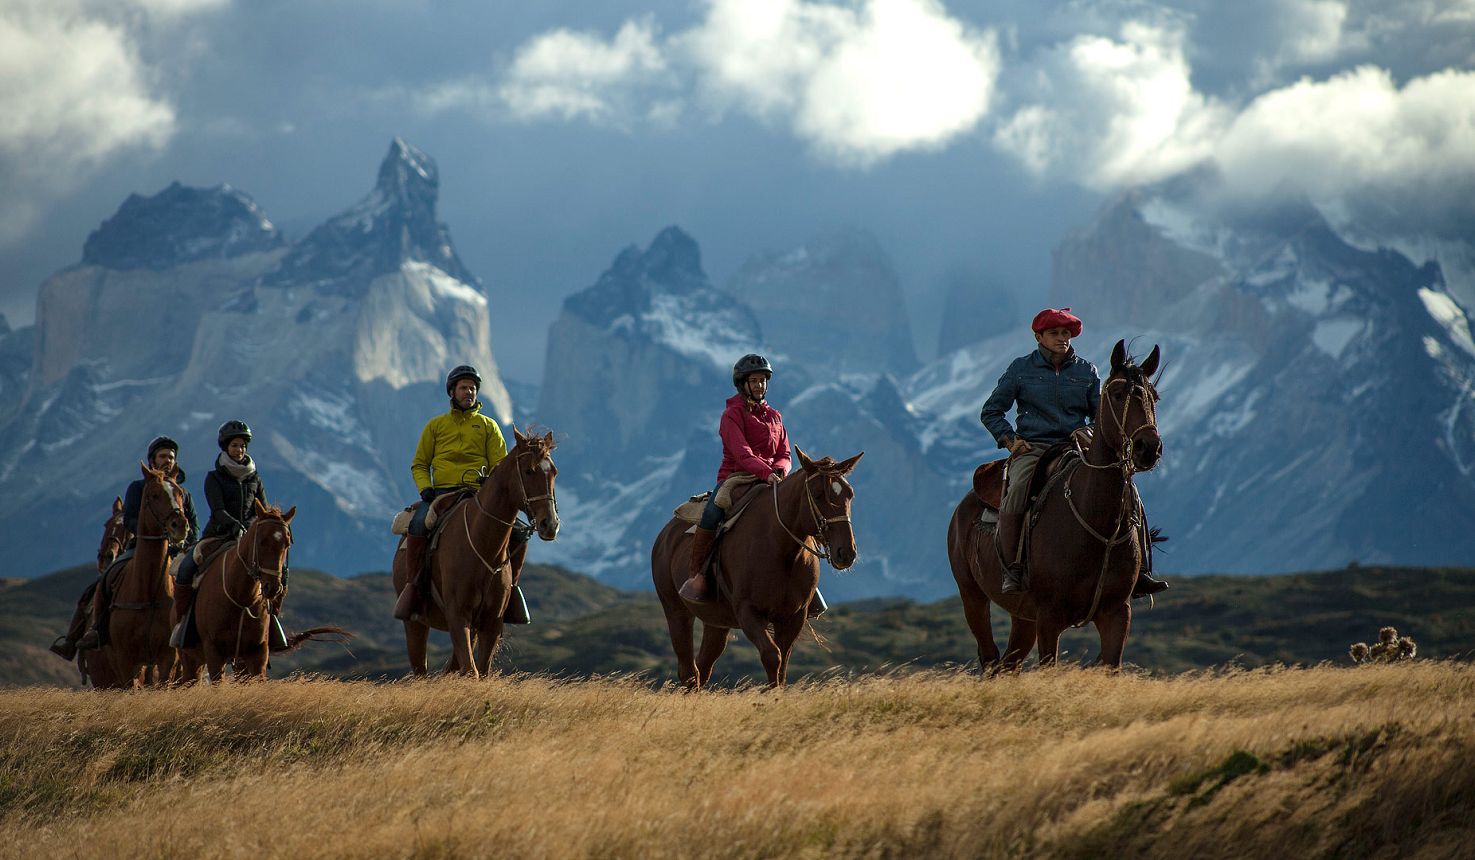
(232, 429)
(465, 371)
(162, 442)
(750, 363)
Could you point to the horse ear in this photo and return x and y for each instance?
(291, 512)
(517, 434)
(256, 502)
(548, 438)
(118, 505)
(804, 461)
(1118, 355)
(143, 467)
(847, 465)
(1149, 367)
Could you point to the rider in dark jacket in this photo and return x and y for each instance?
(230, 490)
(163, 454)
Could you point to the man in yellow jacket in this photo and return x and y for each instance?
(454, 449)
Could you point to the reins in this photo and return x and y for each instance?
(258, 602)
(526, 507)
(821, 522)
(1125, 510)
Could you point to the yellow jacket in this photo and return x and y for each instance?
(454, 446)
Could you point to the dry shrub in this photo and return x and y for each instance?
(1390, 648)
(1061, 762)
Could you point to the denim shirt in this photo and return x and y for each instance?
(1052, 403)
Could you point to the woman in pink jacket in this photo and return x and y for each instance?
(753, 441)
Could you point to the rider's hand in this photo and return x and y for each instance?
(774, 477)
(427, 494)
(1018, 446)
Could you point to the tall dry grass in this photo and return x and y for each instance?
(1060, 763)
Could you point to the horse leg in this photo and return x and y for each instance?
(460, 631)
(1022, 634)
(785, 634)
(714, 642)
(679, 624)
(977, 611)
(1048, 637)
(417, 637)
(487, 641)
(1112, 624)
(757, 632)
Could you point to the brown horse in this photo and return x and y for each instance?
(471, 574)
(769, 568)
(95, 669)
(236, 597)
(1087, 545)
(143, 595)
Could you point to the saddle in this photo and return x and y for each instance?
(741, 496)
(439, 506)
(989, 479)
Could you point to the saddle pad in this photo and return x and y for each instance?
(400, 525)
(690, 511)
(442, 505)
(732, 489)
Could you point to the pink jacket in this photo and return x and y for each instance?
(752, 441)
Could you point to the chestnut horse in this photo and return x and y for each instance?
(1087, 545)
(768, 569)
(236, 597)
(94, 665)
(143, 595)
(471, 575)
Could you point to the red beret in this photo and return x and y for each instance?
(1051, 318)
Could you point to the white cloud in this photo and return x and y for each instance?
(857, 82)
(1110, 113)
(567, 75)
(74, 93)
(1314, 30)
(1357, 136)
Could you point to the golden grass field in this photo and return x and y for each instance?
(1321, 762)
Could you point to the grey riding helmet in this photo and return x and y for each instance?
(162, 442)
(464, 371)
(232, 429)
(750, 363)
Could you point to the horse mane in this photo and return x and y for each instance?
(273, 511)
(540, 438)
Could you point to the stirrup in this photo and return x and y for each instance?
(687, 592)
(64, 648)
(90, 641)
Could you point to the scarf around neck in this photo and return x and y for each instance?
(239, 471)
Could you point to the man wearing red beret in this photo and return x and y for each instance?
(1057, 392)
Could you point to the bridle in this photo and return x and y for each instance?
(257, 602)
(822, 523)
(525, 507)
(152, 507)
(1126, 523)
(113, 540)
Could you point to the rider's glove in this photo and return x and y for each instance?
(427, 494)
(1018, 446)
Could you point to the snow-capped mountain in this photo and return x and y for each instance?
(189, 309)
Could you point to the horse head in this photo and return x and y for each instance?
(1128, 418)
(533, 461)
(828, 496)
(161, 513)
(266, 542)
(114, 537)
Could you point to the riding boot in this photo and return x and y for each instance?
(98, 635)
(517, 608)
(1011, 548)
(276, 636)
(817, 605)
(65, 647)
(409, 598)
(695, 589)
(1146, 585)
(184, 593)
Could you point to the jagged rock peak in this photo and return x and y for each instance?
(672, 259)
(180, 224)
(396, 223)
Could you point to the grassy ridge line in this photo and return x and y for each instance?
(1321, 762)
(583, 627)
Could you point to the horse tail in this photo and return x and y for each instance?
(315, 634)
